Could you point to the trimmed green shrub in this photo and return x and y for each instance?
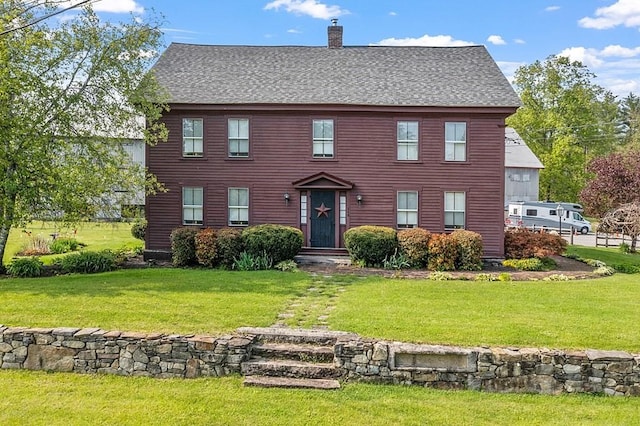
(469, 250)
(228, 246)
(88, 262)
(27, 267)
(524, 244)
(183, 246)
(414, 245)
(280, 242)
(64, 245)
(442, 253)
(370, 244)
(139, 229)
(206, 247)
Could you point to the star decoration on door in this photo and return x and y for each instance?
(322, 210)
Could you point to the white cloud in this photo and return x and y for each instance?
(425, 40)
(177, 30)
(117, 6)
(393, 13)
(509, 68)
(311, 8)
(551, 8)
(622, 12)
(519, 41)
(496, 39)
(616, 67)
(588, 57)
(294, 31)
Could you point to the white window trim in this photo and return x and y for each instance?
(238, 208)
(238, 140)
(303, 208)
(450, 146)
(323, 142)
(193, 208)
(192, 140)
(404, 145)
(456, 210)
(406, 211)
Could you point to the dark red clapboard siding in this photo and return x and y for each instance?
(365, 155)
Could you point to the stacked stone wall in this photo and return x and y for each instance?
(93, 350)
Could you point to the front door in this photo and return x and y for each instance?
(323, 220)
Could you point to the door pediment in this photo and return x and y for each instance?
(322, 180)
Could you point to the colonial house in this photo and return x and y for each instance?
(522, 169)
(328, 138)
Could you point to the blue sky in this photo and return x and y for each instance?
(603, 34)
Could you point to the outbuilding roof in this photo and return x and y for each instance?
(517, 153)
(369, 76)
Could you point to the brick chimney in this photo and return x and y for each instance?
(335, 34)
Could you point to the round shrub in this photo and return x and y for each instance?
(442, 253)
(139, 229)
(183, 246)
(414, 245)
(64, 245)
(370, 245)
(206, 247)
(524, 244)
(469, 250)
(279, 242)
(88, 262)
(27, 267)
(228, 246)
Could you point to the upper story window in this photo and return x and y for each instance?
(455, 145)
(238, 137)
(238, 206)
(192, 201)
(407, 140)
(192, 137)
(322, 138)
(454, 210)
(407, 211)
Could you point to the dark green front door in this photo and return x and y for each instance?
(323, 218)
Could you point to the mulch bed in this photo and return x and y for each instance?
(570, 267)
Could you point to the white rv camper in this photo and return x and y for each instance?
(544, 215)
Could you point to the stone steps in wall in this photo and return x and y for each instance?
(299, 352)
(292, 358)
(291, 383)
(290, 368)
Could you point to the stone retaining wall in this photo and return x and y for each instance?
(93, 350)
(492, 369)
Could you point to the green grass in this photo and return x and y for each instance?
(38, 398)
(160, 300)
(610, 256)
(599, 313)
(96, 235)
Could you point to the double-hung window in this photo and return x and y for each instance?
(192, 137)
(238, 137)
(407, 136)
(322, 138)
(455, 145)
(192, 198)
(407, 211)
(454, 210)
(238, 206)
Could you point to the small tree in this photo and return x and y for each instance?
(625, 219)
(616, 182)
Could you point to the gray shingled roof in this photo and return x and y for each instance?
(517, 153)
(373, 75)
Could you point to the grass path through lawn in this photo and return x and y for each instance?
(312, 309)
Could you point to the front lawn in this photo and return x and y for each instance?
(28, 397)
(599, 313)
(610, 256)
(153, 300)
